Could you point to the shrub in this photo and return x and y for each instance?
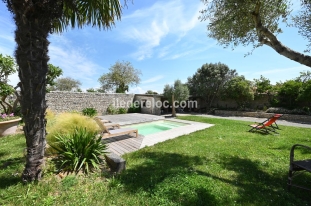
(79, 151)
(280, 110)
(112, 110)
(91, 112)
(134, 108)
(122, 111)
(65, 123)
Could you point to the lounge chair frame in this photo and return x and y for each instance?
(106, 132)
(297, 167)
(267, 125)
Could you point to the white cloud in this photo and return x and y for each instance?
(153, 79)
(74, 62)
(148, 27)
(136, 90)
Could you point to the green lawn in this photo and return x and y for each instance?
(221, 165)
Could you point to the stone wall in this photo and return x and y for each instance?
(77, 101)
(289, 117)
(259, 102)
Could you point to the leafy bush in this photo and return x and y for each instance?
(79, 151)
(91, 112)
(280, 110)
(122, 111)
(134, 108)
(65, 123)
(112, 110)
(306, 110)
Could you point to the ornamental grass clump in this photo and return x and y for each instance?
(79, 151)
(65, 123)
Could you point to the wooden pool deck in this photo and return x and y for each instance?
(123, 144)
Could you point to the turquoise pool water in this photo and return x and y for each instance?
(155, 127)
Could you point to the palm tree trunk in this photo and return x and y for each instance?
(33, 25)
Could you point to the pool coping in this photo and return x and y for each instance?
(125, 143)
(153, 139)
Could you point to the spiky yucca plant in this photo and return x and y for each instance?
(79, 151)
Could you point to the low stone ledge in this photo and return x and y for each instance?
(116, 163)
(306, 119)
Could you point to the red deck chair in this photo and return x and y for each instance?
(277, 116)
(266, 125)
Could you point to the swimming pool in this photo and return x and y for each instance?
(155, 127)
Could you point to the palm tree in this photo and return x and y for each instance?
(35, 20)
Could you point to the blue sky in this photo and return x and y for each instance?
(164, 39)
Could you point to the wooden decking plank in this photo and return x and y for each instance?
(128, 146)
(119, 148)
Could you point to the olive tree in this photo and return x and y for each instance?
(256, 23)
(120, 76)
(175, 94)
(208, 81)
(7, 67)
(66, 84)
(240, 90)
(262, 85)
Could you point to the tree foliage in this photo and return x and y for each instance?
(240, 90)
(177, 92)
(288, 93)
(304, 76)
(66, 84)
(262, 85)
(151, 92)
(208, 81)
(305, 92)
(91, 90)
(121, 75)
(7, 67)
(255, 23)
(303, 21)
(53, 73)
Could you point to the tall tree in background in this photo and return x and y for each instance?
(35, 20)
(240, 90)
(257, 22)
(208, 81)
(7, 67)
(53, 73)
(176, 93)
(262, 85)
(120, 77)
(66, 84)
(151, 92)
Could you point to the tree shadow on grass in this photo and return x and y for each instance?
(161, 176)
(257, 186)
(9, 167)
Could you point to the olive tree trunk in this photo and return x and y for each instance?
(268, 38)
(173, 106)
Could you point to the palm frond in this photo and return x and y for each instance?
(96, 13)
